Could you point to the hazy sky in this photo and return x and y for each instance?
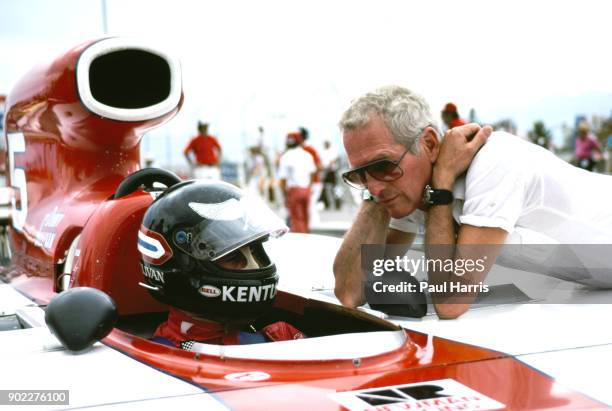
(283, 64)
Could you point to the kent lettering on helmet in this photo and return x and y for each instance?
(240, 294)
(202, 254)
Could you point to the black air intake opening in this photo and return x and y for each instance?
(129, 79)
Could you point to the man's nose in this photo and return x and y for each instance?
(375, 187)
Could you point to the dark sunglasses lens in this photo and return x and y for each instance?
(384, 170)
(355, 178)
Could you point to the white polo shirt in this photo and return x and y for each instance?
(296, 166)
(532, 194)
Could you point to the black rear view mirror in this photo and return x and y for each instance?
(81, 316)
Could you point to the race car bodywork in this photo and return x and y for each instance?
(73, 129)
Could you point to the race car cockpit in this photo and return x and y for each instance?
(197, 248)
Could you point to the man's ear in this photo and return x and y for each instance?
(430, 145)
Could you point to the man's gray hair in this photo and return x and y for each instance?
(404, 112)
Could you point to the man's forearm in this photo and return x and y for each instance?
(370, 227)
(440, 240)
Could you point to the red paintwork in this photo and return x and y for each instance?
(110, 261)
(306, 385)
(505, 380)
(75, 160)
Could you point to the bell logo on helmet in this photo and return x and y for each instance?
(209, 291)
(153, 247)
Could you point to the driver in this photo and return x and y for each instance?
(201, 253)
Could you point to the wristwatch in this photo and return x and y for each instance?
(432, 196)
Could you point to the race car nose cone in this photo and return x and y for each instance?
(81, 316)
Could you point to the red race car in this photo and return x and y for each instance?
(73, 129)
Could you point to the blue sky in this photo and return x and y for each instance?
(283, 64)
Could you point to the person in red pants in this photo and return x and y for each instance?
(296, 172)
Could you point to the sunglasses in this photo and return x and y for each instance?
(382, 170)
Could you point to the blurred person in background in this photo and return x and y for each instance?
(588, 150)
(450, 116)
(296, 171)
(206, 152)
(330, 162)
(317, 186)
(257, 172)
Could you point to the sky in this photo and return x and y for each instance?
(285, 64)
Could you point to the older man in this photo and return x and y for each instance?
(513, 190)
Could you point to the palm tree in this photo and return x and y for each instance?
(540, 135)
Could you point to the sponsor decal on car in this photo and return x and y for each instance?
(438, 395)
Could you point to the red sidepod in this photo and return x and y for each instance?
(73, 129)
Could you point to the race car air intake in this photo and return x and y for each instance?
(127, 81)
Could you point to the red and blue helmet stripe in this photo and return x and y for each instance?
(153, 246)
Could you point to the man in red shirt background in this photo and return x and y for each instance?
(206, 152)
(450, 116)
(317, 186)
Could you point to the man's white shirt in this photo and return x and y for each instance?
(296, 167)
(532, 194)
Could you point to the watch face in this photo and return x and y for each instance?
(427, 195)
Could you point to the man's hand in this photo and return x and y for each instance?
(457, 151)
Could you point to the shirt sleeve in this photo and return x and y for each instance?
(495, 190)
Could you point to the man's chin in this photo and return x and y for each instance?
(399, 210)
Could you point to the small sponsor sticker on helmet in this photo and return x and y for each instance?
(209, 291)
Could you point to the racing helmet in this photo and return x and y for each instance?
(201, 250)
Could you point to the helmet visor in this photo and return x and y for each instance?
(227, 226)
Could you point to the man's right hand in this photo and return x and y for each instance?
(369, 227)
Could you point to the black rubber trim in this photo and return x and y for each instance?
(146, 177)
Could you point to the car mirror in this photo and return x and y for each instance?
(81, 316)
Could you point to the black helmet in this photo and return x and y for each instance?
(191, 237)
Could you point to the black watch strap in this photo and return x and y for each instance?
(432, 196)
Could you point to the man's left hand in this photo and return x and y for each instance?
(457, 151)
